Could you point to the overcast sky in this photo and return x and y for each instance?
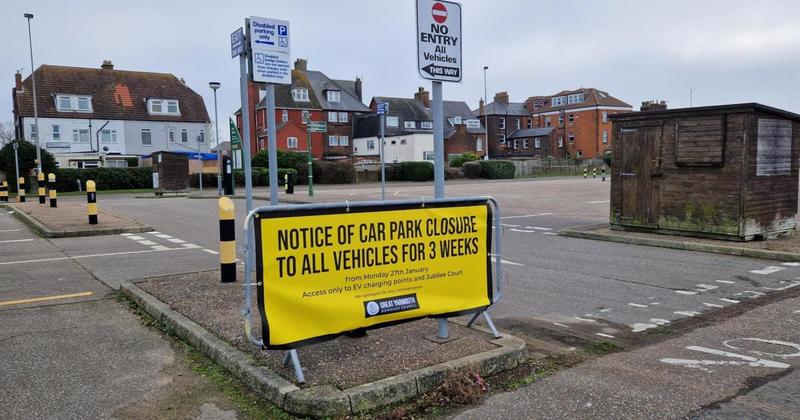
(727, 51)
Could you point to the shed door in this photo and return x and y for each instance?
(641, 164)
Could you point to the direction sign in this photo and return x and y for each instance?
(439, 40)
(383, 108)
(317, 126)
(269, 43)
(237, 43)
(236, 141)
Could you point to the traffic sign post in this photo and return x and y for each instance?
(312, 127)
(383, 109)
(439, 60)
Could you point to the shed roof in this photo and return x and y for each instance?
(530, 132)
(714, 109)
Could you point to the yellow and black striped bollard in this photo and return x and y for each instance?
(4, 192)
(286, 183)
(604, 173)
(51, 183)
(227, 240)
(21, 190)
(585, 171)
(40, 184)
(594, 173)
(91, 202)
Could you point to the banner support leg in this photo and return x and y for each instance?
(490, 324)
(473, 319)
(298, 370)
(443, 330)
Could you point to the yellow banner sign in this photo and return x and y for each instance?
(322, 273)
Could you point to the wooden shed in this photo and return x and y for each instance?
(170, 172)
(727, 172)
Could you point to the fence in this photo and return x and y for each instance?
(554, 167)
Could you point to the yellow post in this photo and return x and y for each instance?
(91, 202)
(40, 185)
(21, 189)
(594, 173)
(585, 171)
(4, 192)
(227, 240)
(51, 182)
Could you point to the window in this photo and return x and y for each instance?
(517, 123)
(184, 136)
(171, 135)
(393, 142)
(561, 142)
(333, 141)
(392, 121)
(561, 120)
(547, 121)
(74, 103)
(56, 132)
(403, 141)
(479, 144)
(427, 155)
(410, 124)
(530, 122)
(571, 138)
(502, 123)
(334, 96)
(202, 136)
(284, 116)
(117, 163)
(342, 117)
(537, 143)
(306, 115)
(34, 134)
(147, 139)
(291, 142)
(332, 117)
(370, 144)
(455, 120)
(605, 136)
(502, 139)
(300, 95)
(571, 118)
(526, 143)
(558, 101)
(108, 136)
(427, 124)
(605, 116)
(80, 135)
(516, 144)
(163, 106)
(344, 140)
(574, 98)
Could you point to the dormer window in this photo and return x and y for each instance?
(427, 124)
(163, 107)
(334, 96)
(300, 95)
(74, 103)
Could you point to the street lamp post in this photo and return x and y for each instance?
(214, 86)
(16, 162)
(200, 158)
(29, 16)
(485, 118)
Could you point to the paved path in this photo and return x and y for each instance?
(685, 376)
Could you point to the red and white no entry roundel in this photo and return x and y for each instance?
(439, 12)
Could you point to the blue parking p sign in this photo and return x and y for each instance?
(383, 108)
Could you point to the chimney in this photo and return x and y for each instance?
(423, 96)
(301, 64)
(107, 65)
(358, 89)
(653, 106)
(501, 97)
(480, 107)
(18, 81)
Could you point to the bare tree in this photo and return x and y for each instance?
(6, 132)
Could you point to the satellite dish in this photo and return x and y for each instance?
(105, 148)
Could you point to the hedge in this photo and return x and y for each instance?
(104, 178)
(472, 170)
(260, 176)
(416, 171)
(457, 161)
(497, 169)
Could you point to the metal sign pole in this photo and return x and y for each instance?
(272, 147)
(310, 159)
(383, 161)
(438, 164)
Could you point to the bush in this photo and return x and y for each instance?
(453, 173)
(27, 161)
(472, 170)
(497, 169)
(463, 158)
(104, 178)
(285, 159)
(133, 162)
(607, 158)
(260, 177)
(416, 171)
(328, 172)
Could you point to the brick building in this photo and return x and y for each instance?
(501, 118)
(314, 96)
(581, 128)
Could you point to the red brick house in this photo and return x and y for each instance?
(581, 128)
(314, 96)
(502, 118)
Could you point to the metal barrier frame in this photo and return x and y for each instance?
(249, 261)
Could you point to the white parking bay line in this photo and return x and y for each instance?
(163, 236)
(135, 238)
(146, 242)
(522, 230)
(792, 264)
(160, 248)
(605, 335)
(76, 257)
(637, 305)
(598, 202)
(687, 313)
(211, 251)
(549, 233)
(177, 241)
(768, 270)
(526, 215)
(725, 281)
(712, 305)
(730, 300)
(505, 261)
(15, 240)
(685, 292)
(10, 230)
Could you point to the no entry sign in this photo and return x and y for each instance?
(439, 40)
